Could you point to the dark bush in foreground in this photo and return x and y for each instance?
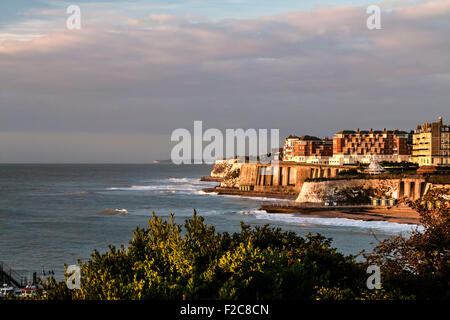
(162, 262)
(419, 265)
(257, 263)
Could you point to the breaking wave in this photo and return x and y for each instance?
(271, 200)
(390, 227)
(170, 185)
(114, 212)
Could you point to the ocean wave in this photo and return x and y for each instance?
(169, 185)
(76, 192)
(114, 211)
(182, 180)
(192, 181)
(192, 186)
(257, 198)
(178, 180)
(391, 227)
(155, 187)
(69, 193)
(201, 192)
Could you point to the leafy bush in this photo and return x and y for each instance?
(354, 195)
(348, 172)
(402, 164)
(419, 265)
(256, 263)
(166, 261)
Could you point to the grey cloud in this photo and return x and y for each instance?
(304, 72)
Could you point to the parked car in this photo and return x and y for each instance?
(28, 291)
(7, 290)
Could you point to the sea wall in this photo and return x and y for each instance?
(278, 177)
(289, 177)
(283, 176)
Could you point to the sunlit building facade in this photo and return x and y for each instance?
(431, 144)
(361, 146)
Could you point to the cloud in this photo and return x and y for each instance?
(425, 10)
(305, 72)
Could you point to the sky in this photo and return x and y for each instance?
(114, 91)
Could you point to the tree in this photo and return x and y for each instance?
(419, 265)
(166, 261)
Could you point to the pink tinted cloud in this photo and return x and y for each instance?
(283, 44)
(428, 9)
(171, 39)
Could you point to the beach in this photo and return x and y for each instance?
(389, 214)
(400, 214)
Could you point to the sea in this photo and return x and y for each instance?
(55, 214)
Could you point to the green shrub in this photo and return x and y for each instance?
(255, 263)
(167, 261)
(348, 172)
(419, 266)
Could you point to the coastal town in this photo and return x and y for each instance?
(259, 159)
(365, 174)
(427, 145)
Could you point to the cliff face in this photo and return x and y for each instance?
(229, 171)
(339, 190)
(220, 168)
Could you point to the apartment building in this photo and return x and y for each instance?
(362, 146)
(431, 144)
(308, 149)
(288, 149)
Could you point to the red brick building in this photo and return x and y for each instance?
(360, 146)
(308, 149)
(312, 146)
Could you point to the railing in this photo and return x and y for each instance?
(280, 204)
(9, 276)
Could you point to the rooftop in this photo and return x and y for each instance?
(309, 138)
(395, 131)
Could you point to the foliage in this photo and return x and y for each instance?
(419, 265)
(348, 172)
(354, 195)
(443, 178)
(233, 174)
(256, 263)
(166, 261)
(220, 168)
(402, 164)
